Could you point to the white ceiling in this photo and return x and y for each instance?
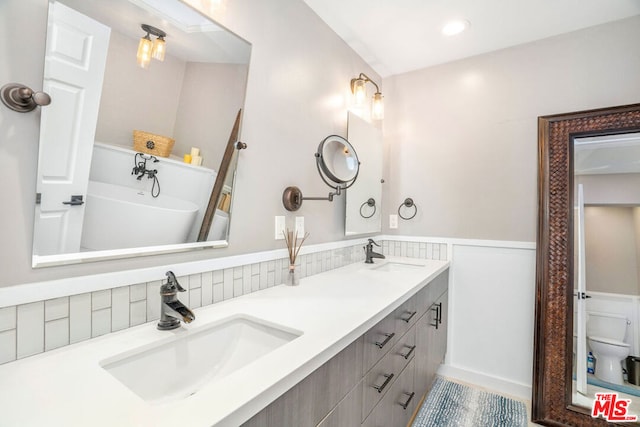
(396, 36)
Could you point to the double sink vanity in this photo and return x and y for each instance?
(358, 344)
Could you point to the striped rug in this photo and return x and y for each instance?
(451, 404)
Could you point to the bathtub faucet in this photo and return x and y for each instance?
(140, 166)
(172, 311)
(140, 170)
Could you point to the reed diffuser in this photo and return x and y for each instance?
(291, 239)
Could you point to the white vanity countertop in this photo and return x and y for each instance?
(67, 386)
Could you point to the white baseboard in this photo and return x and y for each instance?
(491, 383)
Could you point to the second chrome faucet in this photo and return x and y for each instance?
(172, 311)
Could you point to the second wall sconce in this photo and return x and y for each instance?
(359, 91)
(148, 48)
(338, 166)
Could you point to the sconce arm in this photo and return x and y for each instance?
(366, 78)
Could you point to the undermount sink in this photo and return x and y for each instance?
(178, 368)
(394, 267)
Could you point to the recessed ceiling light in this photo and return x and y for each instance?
(454, 27)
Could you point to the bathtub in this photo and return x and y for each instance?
(118, 217)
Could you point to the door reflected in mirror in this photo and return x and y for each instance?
(364, 199)
(98, 199)
(606, 177)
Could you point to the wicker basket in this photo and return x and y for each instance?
(150, 143)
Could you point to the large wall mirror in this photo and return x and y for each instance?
(588, 268)
(363, 212)
(109, 182)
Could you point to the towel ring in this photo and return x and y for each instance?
(371, 203)
(408, 203)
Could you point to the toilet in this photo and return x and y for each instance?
(605, 335)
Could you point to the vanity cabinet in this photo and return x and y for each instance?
(379, 379)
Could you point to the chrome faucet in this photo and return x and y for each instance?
(172, 311)
(370, 254)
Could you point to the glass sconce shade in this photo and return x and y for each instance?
(159, 49)
(359, 92)
(144, 51)
(358, 88)
(377, 107)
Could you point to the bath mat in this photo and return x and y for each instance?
(450, 404)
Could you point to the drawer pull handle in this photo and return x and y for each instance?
(408, 319)
(386, 340)
(438, 319)
(408, 355)
(405, 405)
(386, 382)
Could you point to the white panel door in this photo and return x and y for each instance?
(581, 312)
(76, 53)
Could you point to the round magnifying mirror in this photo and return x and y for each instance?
(338, 159)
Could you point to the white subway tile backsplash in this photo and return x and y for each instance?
(7, 318)
(56, 333)
(228, 283)
(207, 288)
(138, 313)
(120, 308)
(278, 271)
(218, 292)
(30, 328)
(218, 276)
(56, 308)
(8, 346)
(79, 317)
(100, 299)
(100, 322)
(138, 292)
(246, 279)
(263, 275)
(195, 281)
(195, 298)
(207, 292)
(237, 287)
(153, 300)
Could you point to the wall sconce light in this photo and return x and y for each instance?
(148, 49)
(359, 90)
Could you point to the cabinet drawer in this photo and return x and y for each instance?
(404, 350)
(397, 406)
(406, 315)
(427, 295)
(384, 374)
(378, 340)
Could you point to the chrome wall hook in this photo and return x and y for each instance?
(408, 203)
(21, 98)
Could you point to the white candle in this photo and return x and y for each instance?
(195, 152)
(196, 160)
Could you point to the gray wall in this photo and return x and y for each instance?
(461, 138)
(610, 249)
(297, 92)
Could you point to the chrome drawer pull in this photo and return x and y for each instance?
(388, 377)
(408, 319)
(411, 349)
(406, 404)
(386, 340)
